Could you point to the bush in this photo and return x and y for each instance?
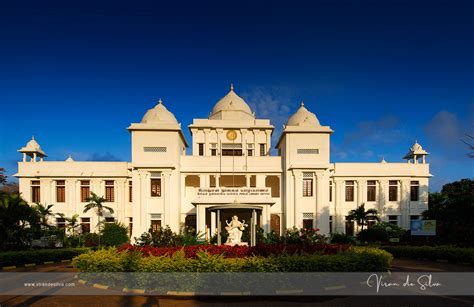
(114, 234)
(164, 236)
(443, 252)
(39, 256)
(353, 260)
(381, 232)
(90, 239)
(342, 238)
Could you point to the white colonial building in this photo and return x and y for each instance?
(230, 171)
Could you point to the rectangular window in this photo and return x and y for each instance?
(130, 226)
(154, 149)
(393, 219)
(371, 190)
(249, 152)
(35, 191)
(130, 191)
(60, 222)
(201, 149)
(307, 151)
(393, 190)
(232, 152)
(60, 191)
(308, 220)
(414, 217)
(212, 181)
(253, 181)
(109, 219)
(213, 152)
(85, 224)
(85, 190)
(155, 222)
(109, 191)
(330, 190)
(350, 190)
(307, 187)
(155, 187)
(349, 227)
(414, 190)
(263, 151)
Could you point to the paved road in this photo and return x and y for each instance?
(103, 301)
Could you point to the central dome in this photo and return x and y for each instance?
(231, 106)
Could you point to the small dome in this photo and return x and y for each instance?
(416, 147)
(159, 115)
(32, 147)
(69, 159)
(231, 106)
(303, 117)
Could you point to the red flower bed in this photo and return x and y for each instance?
(264, 250)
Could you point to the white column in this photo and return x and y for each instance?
(201, 218)
(213, 223)
(206, 142)
(269, 141)
(322, 202)
(339, 216)
(297, 214)
(166, 177)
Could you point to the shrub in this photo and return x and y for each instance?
(381, 232)
(442, 252)
(354, 260)
(39, 256)
(342, 238)
(90, 239)
(114, 234)
(164, 236)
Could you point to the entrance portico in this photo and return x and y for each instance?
(212, 214)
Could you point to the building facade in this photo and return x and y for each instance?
(230, 171)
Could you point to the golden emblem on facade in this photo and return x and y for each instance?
(231, 135)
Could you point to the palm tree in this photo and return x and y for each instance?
(44, 212)
(73, 223)
(96, 202)
(361, 216)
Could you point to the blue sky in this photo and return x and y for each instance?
(381, 73)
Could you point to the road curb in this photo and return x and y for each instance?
(99, 286)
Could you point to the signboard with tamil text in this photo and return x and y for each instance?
(423, 227)
(243, 192)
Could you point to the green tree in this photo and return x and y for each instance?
(114, 234)
(44, 212)
(17, 221)
(3, 177)
(97, 202)
(453, 210)
(362, 216)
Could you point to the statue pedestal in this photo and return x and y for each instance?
(238, 244)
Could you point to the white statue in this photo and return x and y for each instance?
(235, 228)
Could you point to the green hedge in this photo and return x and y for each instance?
(445, 252)
(39, 256)
(358, 259)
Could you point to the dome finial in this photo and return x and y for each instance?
(232, 87)
(32, 137)
(302, 103)
(160, 101)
